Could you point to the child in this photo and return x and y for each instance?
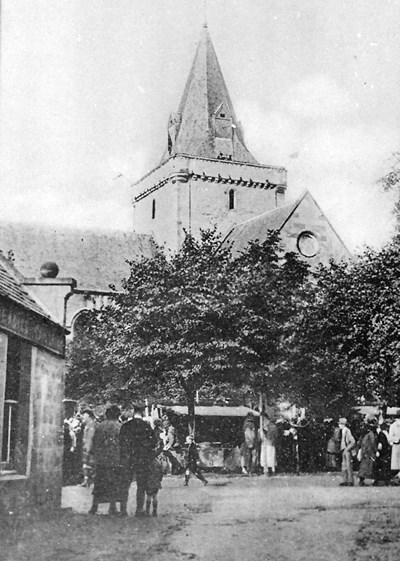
(153, 484)
(192, 461)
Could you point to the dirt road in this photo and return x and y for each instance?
(286, 518)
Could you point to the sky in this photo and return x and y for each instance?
(86, 88)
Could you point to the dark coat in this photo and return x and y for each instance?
(368, 449)
(382, 464)
(137, 443)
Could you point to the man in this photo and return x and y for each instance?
(248, 449)
(137, 444)
(394, 440)
(172, 446)
(346, 445)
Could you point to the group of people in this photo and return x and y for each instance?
(258, 448)
(377, 451)
(119, 450)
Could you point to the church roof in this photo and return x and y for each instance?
(95, 258)
(256, 228)
(206, 124)
(290, 220)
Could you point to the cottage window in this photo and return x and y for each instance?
(231, 199)
(14, 418)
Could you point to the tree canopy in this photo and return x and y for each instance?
(199, 319)
(351, 339)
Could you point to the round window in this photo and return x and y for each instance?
(307, 244)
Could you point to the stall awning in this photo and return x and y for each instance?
(374, 410)
(215, 410)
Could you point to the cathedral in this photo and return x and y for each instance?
(206, 178)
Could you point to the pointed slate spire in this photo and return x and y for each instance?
(205, 124)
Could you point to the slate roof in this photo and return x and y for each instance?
(11, 288)
(205, 96)
(256, 228)
(95, 258)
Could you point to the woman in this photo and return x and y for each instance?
(106, 452)
(89, 427)
(383, 456)
(367, 450)
(268, 434)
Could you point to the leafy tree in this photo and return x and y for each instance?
(351, 336)
(175, 326)
(200, 318)
(273, 289)
(391, 182)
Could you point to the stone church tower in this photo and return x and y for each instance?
(207, 176)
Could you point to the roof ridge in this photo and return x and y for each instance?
(66, 228)
(293, 204)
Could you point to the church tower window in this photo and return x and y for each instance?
(231, 199)
(307, 244)
(153, 209)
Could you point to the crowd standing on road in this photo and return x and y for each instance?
(377, 451)
(122, 449)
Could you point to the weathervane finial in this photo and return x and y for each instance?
(205, 13)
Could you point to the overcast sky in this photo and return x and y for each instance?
(87, 87)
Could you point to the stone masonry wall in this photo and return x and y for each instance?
(210, 205)
(309, 217)
(164, 227)
(46, 425)
(193, 193)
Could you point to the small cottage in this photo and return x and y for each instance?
(32, 346)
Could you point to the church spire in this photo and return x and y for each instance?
(205, 124)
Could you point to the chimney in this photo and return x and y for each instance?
(50, 290)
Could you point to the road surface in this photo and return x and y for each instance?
(283, 518)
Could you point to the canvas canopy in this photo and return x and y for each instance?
(215, 410)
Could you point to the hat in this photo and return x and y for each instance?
(371, 419)
(342, 421)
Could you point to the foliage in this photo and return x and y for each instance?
(200, 319)
(351, 338)
(274, 290)
(391, 182)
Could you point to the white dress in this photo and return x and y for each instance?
(268, 449)
(394, 439)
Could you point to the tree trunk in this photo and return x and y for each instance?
(191, 397)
